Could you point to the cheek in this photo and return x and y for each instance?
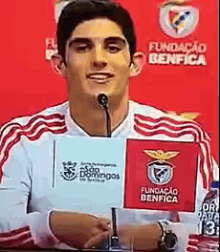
(77, 70)
(78, 63)
(121, 62)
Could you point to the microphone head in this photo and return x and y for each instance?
(103, 100)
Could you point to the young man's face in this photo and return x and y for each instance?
(97, 60)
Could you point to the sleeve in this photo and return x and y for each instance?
(208, 171)
(183, 224)
(215, 170)
(18, 228)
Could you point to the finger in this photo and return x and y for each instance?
(104, 223)
(105, 220)
(97, 239)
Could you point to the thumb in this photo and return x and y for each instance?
(97, 239)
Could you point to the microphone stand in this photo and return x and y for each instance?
(114, 236)
(103, 102)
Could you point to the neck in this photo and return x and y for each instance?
(91, 117)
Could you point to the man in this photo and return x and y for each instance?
(96, 55)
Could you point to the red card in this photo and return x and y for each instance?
(161, 175)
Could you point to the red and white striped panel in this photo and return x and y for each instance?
(148, 126)
(18, 238)
(11, 133)
(202, 243)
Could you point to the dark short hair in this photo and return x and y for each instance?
(78, 11)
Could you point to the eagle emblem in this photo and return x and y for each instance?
(160, 171)
(178, 19)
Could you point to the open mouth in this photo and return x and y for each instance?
(100, 77)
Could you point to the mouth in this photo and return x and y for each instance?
(100, 77)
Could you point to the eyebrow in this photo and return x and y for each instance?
(117, 40)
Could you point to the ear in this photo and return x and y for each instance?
(138, 62)
(58, 65)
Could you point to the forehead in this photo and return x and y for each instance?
(97, 28)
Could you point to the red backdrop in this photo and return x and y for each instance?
(28, 83)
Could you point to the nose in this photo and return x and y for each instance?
(99, 58)
(99, 64)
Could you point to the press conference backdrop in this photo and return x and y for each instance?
(180, 74)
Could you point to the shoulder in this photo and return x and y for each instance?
(50, 118)
(146, 110)
(21, 132)
(150, 118)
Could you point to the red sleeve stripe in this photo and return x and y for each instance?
(22, 237)
(14, 232)
(33, 131)
(176, 125)
(144, 132)
(28, 244)
(203, 238)
(172, 127)
(7, 126)
(32, 120)
(208, 161)
(207, 243)
(203, 249)
(193, 242)
(30, 123)
(30, 134)
(208, 239)
(171, 121)
(164, 123)
(32, 138)
(16, 240)
(202, 172)
(23, 243)
(168, 128)
(30, 131)
(194, 236)
(192, 249)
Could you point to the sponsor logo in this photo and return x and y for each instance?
(89, 172)
(69, 172)
(177, 19)
(160, 171)
(161, 195)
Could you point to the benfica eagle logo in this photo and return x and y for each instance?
(177, 19)
(160, 171)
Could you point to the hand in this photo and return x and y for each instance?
(79, 230)
(143, 237)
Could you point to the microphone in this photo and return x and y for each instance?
(103, 102)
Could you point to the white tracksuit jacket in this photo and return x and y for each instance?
(31, 186)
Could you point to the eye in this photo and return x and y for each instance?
(113, 48)
(83, 48)
(80, 47)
